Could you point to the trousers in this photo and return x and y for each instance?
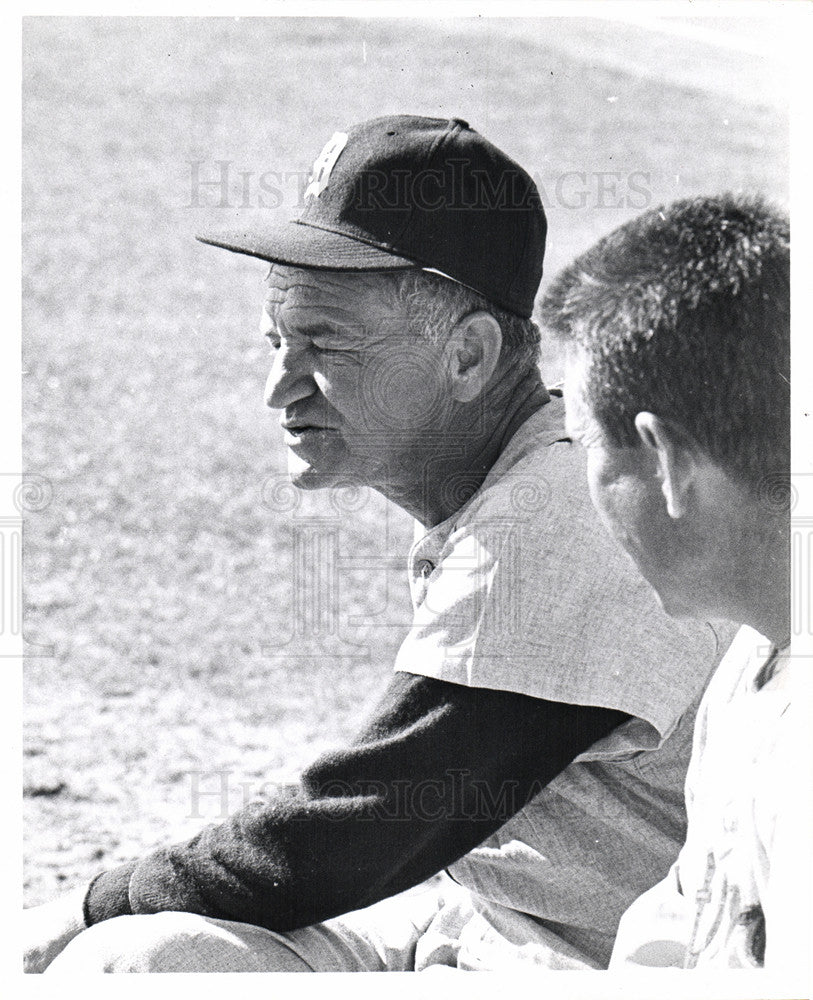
(434, 927)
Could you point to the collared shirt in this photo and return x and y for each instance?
(523, 591)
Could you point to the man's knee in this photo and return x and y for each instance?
(160, 942)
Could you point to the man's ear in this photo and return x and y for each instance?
(675, 456)
(471, 354)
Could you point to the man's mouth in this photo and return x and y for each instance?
(296, 433)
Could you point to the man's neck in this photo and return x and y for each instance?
(771, 618)
(765, 581)
(451, 471)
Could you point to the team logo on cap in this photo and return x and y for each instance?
(324, 164)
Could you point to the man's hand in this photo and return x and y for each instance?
(47, 929)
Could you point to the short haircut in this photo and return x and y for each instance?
(434, 304)
(685, 312)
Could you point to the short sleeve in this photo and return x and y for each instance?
(531, 595)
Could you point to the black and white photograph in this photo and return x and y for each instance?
(409, 555)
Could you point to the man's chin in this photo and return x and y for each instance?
(310, 479)
(315, 481)
(673, 600)
(306, 477)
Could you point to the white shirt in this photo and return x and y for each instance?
(719, 905)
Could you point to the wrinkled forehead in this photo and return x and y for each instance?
(295, 293)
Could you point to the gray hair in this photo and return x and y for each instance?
(434, 304)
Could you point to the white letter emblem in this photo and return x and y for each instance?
(324, 164)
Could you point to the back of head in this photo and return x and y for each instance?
(685, 312)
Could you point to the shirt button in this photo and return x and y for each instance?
(424, 568)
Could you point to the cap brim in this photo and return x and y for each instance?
(306, 246)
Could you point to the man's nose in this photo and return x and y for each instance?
(290, 378)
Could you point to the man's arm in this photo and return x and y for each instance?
(437, 769)
(415, 791)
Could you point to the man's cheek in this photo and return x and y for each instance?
(608, 501)
(597, 483)
(600, 501)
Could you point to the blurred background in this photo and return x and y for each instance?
(197, 631)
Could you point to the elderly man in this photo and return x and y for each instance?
(542, 704)
(677, 328)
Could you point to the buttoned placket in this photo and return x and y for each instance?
(424, 558)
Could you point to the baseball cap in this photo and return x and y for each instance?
(410, 192)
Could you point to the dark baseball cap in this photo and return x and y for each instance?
(407, 192)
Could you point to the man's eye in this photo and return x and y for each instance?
(323, 348)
